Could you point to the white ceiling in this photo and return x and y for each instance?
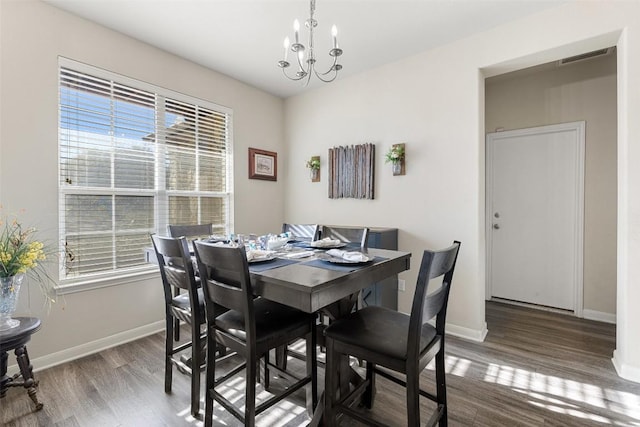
(243, 38)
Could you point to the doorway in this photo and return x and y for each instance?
(581, 91)
(535, 208)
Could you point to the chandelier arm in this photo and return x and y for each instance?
(292, 78)
(320, 75)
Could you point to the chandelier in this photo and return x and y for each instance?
(305, 57)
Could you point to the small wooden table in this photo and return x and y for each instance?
(16, 339)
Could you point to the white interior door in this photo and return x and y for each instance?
(535, 187)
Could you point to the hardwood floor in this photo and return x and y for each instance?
(535, 368)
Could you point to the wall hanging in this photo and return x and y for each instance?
(396, 156)
(263, 164)
(314, 168)
(351, 171)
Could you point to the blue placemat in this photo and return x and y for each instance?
(268, 265)
(341, 267)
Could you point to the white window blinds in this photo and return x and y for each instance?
(134, 158)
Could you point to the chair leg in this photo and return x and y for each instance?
(210, 380)
(330, 388)
(168, 349)
(312, 369)
(413, 399)
(370, 392)
(281, 357)
(196, 363)
(267, 375)
(441, 386)
(176, 330)
(250, 393)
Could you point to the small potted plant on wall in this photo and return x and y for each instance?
(395, 156)
(314, 168)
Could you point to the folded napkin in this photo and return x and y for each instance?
(277, 242)
(348, 256)
(257, 254)
(327, 241)
(300, 254)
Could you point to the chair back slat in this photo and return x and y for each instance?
(356, 235)
(304, 231)
(434, 303)
(190, 230)
(224, 273)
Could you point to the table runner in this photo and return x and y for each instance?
(257, 267)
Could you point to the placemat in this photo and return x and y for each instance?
(341, 267)
(268, 265)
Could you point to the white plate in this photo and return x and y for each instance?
(263, 259)
(335, 260)
(336, 246)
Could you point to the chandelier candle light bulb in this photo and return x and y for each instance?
(286, 48)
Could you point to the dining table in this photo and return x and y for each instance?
(319, 283)
(326, 285)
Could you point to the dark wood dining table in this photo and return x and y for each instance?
(313, 285)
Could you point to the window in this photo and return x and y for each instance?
(133, 158)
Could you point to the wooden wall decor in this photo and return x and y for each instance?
(351, 171)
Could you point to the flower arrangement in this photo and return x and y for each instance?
(21, 253)
(395, 154)
(313, 163)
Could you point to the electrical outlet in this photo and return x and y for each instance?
(401, 285)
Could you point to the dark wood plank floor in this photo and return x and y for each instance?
(535, 368)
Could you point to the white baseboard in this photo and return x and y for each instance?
(477, 335)
(73, 353)
(631, 373)
(599, 316)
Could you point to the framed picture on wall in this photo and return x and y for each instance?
(263, 164)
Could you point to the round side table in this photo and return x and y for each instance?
(16, 339)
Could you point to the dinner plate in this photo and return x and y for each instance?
(336, 246)
(335, 260)
(263, 259)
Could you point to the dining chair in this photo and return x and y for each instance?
(176, 271)
(251, 327)
(189, 231)
(302, 231)
(401, 343)
(350, 235)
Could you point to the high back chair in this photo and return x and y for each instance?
(176, 270)
(400, 343)
(189, 231)
(355, 238)
(302, 231)
(351, 235)
(251, 327)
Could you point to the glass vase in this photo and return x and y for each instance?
(396, 168)
(9, 290)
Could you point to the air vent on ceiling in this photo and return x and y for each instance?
(585, 56)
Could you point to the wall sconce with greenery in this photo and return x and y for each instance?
(314, 168)
(396, 156)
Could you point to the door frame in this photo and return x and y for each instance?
(578, 244)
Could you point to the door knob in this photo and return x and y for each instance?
(496, 226)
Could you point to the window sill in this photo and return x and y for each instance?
(71, 287)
